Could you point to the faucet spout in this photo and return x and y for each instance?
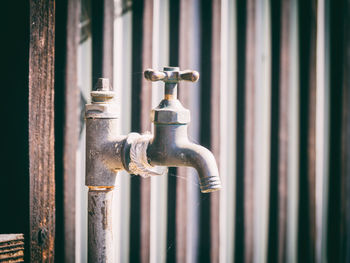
(203, 161)
(171, 147)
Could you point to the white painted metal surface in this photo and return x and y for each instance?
(293, 168)
(122, 86)
(262, 129)
(322, 126)
(228, 130)
(159, 184)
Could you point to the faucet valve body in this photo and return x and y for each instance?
(170, 145)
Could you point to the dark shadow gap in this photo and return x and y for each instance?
(241, 37)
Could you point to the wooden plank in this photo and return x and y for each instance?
(41, 130)
(11, 248)
(71, 127)
(307, 117)
(215, 125)
(6, 239)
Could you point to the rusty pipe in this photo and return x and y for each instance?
(101, 238)
(101, 170)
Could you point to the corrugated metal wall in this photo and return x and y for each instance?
(263, 105)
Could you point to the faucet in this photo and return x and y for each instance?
(107, 153)
(170, 145)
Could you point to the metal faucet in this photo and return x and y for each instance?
(170, 145)
(107, 153)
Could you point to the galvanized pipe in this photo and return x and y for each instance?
(101, 236)
(103, 161)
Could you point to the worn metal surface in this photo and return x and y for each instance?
(103, 152)
(170, 112)
(101, 168)
(171, 75)
(170, 145)
(101, 239)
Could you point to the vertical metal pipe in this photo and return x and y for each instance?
(101, 171)
(101, 235)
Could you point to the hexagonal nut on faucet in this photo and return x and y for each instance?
(167, 116)
(102, 104)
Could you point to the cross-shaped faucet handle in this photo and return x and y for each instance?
(171, 75)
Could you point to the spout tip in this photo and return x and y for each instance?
(210, 184)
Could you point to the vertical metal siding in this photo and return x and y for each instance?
(160, 52)
(249, 126)
(228, 93)
(322, 126)
(307, 122)
(256, 107)
(122, 86)
(72, 129)
(142, 101)
(293, 135)
(189, 95)
(215, 120)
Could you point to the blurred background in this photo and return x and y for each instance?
(272, 104)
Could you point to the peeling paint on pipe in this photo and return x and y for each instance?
(100, 221)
